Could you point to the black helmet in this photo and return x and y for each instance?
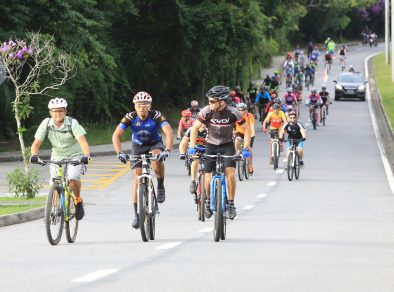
(219, 92)
(275, 106)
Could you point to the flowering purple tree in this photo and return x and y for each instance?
(25, 64)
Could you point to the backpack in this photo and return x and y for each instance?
(67, 129)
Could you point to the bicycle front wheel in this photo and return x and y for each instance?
(275, 151)
(297, 166)
(219, 211)
(152, 217)
(246, 168)
(71, 221)
(143, 212)
(240, 169)
(54, 216)
(290, 169)
(201, 197)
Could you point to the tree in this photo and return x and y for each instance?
(29, 66)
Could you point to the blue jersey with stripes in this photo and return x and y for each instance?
(144, 132)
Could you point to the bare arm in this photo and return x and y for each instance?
(193, 133)
(169, 136)
(84, 145)
(247, 135)
(35, 147)
(116, 139)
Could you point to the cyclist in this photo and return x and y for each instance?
(67, 138)
(325, 97)
(276, 119)
(200, 143)
(240, 132)
(261, 101)
(290, 100)
(313, 100)
(331, 47)
(145, 125)
(295, 130)
(252, 94)
(309, 49)
(342, 56)
(328, 59)
(275, 81)
(185, 123)
(235, 99)
(219, 119)
(194, 108)
(314, 58)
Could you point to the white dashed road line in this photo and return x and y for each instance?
(279, 171)
(169, 245)
(248, 207)
(95, 275)
(261, 195)
(271, 183)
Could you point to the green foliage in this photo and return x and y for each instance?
(23, 184)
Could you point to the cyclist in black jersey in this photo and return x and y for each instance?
(220, 119)
(295, 130)
(325, 97)
(145, 125)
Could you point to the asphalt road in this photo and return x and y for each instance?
(330, 231)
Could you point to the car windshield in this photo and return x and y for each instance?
(354, 78)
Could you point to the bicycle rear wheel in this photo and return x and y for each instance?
(297, 166)
(240, 169)
(290, 170)
(54, 216)
(323, 115)
(219, 211)
(71, 221)
(143, 212)
(246, 168)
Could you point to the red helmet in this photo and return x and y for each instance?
(186, 113)
(233, 93)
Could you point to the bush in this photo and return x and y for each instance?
(24, 185)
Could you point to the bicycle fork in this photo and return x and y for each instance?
(224, 193)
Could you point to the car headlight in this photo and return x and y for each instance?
(339, 87)
(361, 88)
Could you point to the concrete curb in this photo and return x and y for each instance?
(25, 216)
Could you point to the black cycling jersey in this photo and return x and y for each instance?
(294, 130)
(324, 96)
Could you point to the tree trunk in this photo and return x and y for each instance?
(20, 132)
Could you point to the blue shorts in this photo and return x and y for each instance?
(300, 144)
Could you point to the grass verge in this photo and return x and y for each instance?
(384, 85)
(10, 205)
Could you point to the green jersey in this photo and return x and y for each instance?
(64, 139)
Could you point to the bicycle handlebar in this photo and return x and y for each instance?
(72, 161)
(148, 156)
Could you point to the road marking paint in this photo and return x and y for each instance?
(95, 275)
(169, 245)
(248, 207)
(271, 184)
(279, 171)
(261, 195)
(207, 229)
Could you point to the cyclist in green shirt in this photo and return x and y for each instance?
(67, 138)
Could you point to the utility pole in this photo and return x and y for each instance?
(387, 30)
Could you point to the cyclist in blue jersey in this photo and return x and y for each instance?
(145, 125)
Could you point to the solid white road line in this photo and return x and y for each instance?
(169, 245)
(248, 207)
(207, 229)
(95, 275)
(261, 195)
(271, 183)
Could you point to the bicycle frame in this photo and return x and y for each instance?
(219, 174)
(146, 179)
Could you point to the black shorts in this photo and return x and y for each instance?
(225, 149)
(144, 149)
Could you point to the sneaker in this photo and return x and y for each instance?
(182, 157)
(231, 212)
(250, 169)
(208, 211)
(161, 194)
(301, 163)
(79, 211)
(193, 187)
(136, 222)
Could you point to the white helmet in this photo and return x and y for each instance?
(57, 103)
(241, 105)
(142, 96)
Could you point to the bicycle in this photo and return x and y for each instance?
(342, 62)
(293, 160)
(243, 165)
(147, 200)
(200, 194)
(218, 195)
(313, 115)
(60, 206)
(188, 163)
(275, 147)
(323, 114)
